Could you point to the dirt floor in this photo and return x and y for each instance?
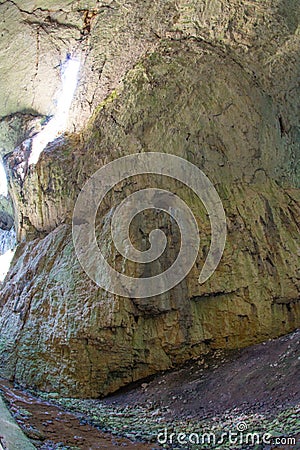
(260, 379)
(50, 427)
(258, 387)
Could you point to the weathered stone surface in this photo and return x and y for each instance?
(7, 240)
(6, 205)
(11, 434)
(16, 128)
(30, 57)
(185, 98)
(110, 37)
(88, 343)
(7, 230)
(193, 101)
(6, 221)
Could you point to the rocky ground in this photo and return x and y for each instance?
(253, 390)
(51, 427)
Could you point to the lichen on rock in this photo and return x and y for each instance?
(198, 83)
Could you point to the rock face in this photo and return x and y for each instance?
(214, 82)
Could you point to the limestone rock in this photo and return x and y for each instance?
(190, 101)
(108, 37)
(17, 128)
(214, 82)
(6, 221)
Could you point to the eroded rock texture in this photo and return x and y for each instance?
(215, 82)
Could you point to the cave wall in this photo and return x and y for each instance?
(215, 82)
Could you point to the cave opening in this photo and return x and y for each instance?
(7, 230)
(57, 125)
